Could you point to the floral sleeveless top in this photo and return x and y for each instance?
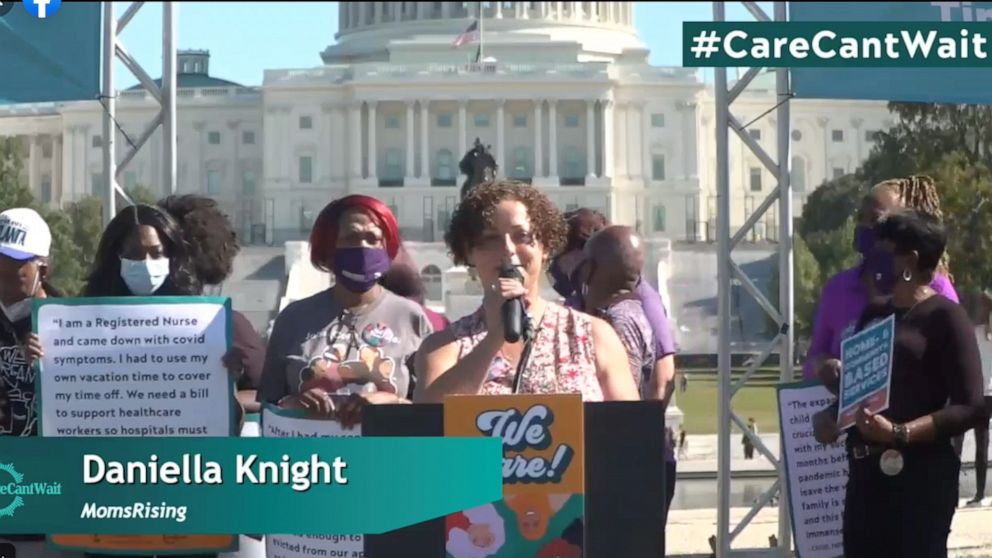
(562, 358)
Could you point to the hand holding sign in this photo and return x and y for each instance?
(874, 427)
(867, 371)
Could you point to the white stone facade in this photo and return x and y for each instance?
(564, 96)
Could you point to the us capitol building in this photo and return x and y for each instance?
(563, 94)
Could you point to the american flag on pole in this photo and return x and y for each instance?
(469, 35)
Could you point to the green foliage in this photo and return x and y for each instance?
(139, 194)
(806, 284)
(75, 230)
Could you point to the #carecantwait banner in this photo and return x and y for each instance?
(542, 511)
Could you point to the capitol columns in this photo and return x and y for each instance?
(425, 159)
(236, 172)
(500, 134)
(538, 140)
(646, 164)
(33, 156)
(553, 140)
(590, 139)
(355, 145)
(373, 166)
(67, 185)
(462, 130)
(56, 183)
(609, 134)
(195, 182)
(411, 157)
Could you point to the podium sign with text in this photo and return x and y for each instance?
(543, 506)
(287, 423)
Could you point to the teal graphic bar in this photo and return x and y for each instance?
(850, 44)
(310, 486)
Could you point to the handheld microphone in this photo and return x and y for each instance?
(513, 309)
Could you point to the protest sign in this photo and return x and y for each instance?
(816, 473)
(866, 358)
(285, 423)
(542, 512)
(135, 367)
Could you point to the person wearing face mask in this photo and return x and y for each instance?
(352, 344)
(509, 224)
(902, 489)
(142, 253)
(25, 244)
(846, 294)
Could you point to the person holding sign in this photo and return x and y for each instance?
(353, 342)
(846, 294)
(142, 253)
(903, 486)
(518, 342)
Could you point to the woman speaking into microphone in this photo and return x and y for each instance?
(507, 232)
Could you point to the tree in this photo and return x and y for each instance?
(138, 194)
(807, 282)
(952, 144)
(13, 192)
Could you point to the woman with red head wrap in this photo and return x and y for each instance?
(333, 351)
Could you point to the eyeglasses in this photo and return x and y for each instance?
(494, 242)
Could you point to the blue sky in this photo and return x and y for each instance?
(245, 39)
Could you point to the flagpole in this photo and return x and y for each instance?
(482, 35)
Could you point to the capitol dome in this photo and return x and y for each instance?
(416, 32)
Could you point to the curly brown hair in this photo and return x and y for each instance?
(475, 213)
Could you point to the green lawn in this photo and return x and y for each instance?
(700, 406)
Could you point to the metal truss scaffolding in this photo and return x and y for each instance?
(113, 48)
(728, 271)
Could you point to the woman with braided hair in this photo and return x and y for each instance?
(848, 293)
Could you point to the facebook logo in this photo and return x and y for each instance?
(42, 8)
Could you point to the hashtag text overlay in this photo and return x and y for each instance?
(837, 45)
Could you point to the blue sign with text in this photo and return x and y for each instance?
(866, 360)
(926, 85)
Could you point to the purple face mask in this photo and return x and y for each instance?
(358, 269)
(879, 263)
(864, 239)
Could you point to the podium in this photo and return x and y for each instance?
(624, 479)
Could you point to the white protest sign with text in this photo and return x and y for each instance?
(135, 366)
(283, 423)
(817, 473)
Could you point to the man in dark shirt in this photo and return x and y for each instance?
(610, 276)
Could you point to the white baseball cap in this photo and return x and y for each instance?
(24, 234)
